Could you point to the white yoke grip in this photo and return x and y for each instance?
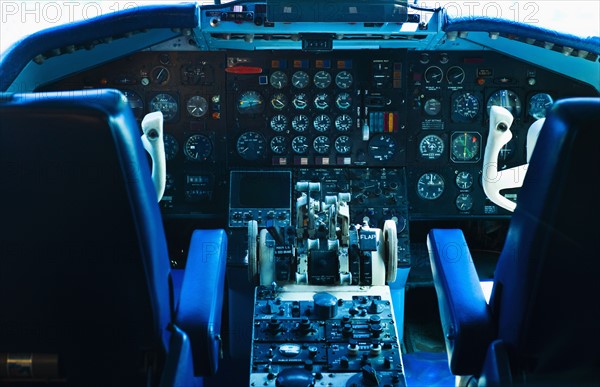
(152, 126)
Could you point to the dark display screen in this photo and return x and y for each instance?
(260, 189)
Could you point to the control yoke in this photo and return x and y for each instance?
(152, 126)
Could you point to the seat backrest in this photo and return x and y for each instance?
(546, 286)
(84, 270)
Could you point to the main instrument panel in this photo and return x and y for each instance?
(423, 115)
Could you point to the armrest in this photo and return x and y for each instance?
(179, 370)
(465, 315)
(200, 306)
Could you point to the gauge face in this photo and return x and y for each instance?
(171, 146)
(343, 145)
(431, 147)
(343, 123)
(160, 75)
(382, 147)
(455, 75)
(464, 202)
(321, 101)
(167, 104)
(539, 104)
(279, 123)
(322, 79)
(465, 107)
(465, 147)
(197, 148)
(278, 79)
(300, 145)
(343, 80)
(250, 102)
(300, 123)
(507, 99)
(432, 107)
(279, 101)
(279, 145)
(430, 186)
(464, 180)
(300, 79)
(135, 102)
(343, 101)
(251, 146)
(197, 106)
(321, 145)
(434, 74)
(300, 101)
(322, 123)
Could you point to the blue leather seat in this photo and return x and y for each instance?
(541, 325)
(85, 278)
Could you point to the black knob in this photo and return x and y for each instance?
(344, 362)
(325, 305)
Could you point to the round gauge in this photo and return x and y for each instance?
(343, 145)
(279, 101)
(464, 180)
(300, 79)
(343, 101)
(464, 202)
(321, 101)
(465, 107)
(322, 79)
(135, 102)
(322, 123)
(343, 123)
(197, 106)
(171, 146)
(465, 146)
(321, 145)
(539, 104)
(507, 151)
(434, 74)
(197, 148)
(160, 75)
(300, 101)
(166, 103)
(382, 147)
(430, 186)
(278, 79)
(250, 102)
(300, 145)
(431, 147)
(251, 146)
(279, 145)
(343, 80)
(507, 99)
(279, 123)
(455, 75)
(300, 123)
(432, 107)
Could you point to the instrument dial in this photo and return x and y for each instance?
(464, 202)
(465, 107)
(507, 99)
(382, 147)
(135, 102)
(160, 75)
(343, 101)
(539, 104)
(278, 79)
(300, 145)
(279, 123)
(250, 102)
(321, 101)
(431, 147)
(167, 104)
(343, 123)
(434, 74)
(464, 180)
(300, 79)
(343, 145)
(279, 145)
(465, 147)
(300, 123)
(343, 80)
(430, 186)
(171, 146)
(197, 106)
(322, 79)
(197, 148)
(455, 75)
(321, 144)
(251, 146)
(279, 101)
(322, 123)
(300, 101)
(432, 107)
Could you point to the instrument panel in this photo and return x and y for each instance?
(425, 114)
